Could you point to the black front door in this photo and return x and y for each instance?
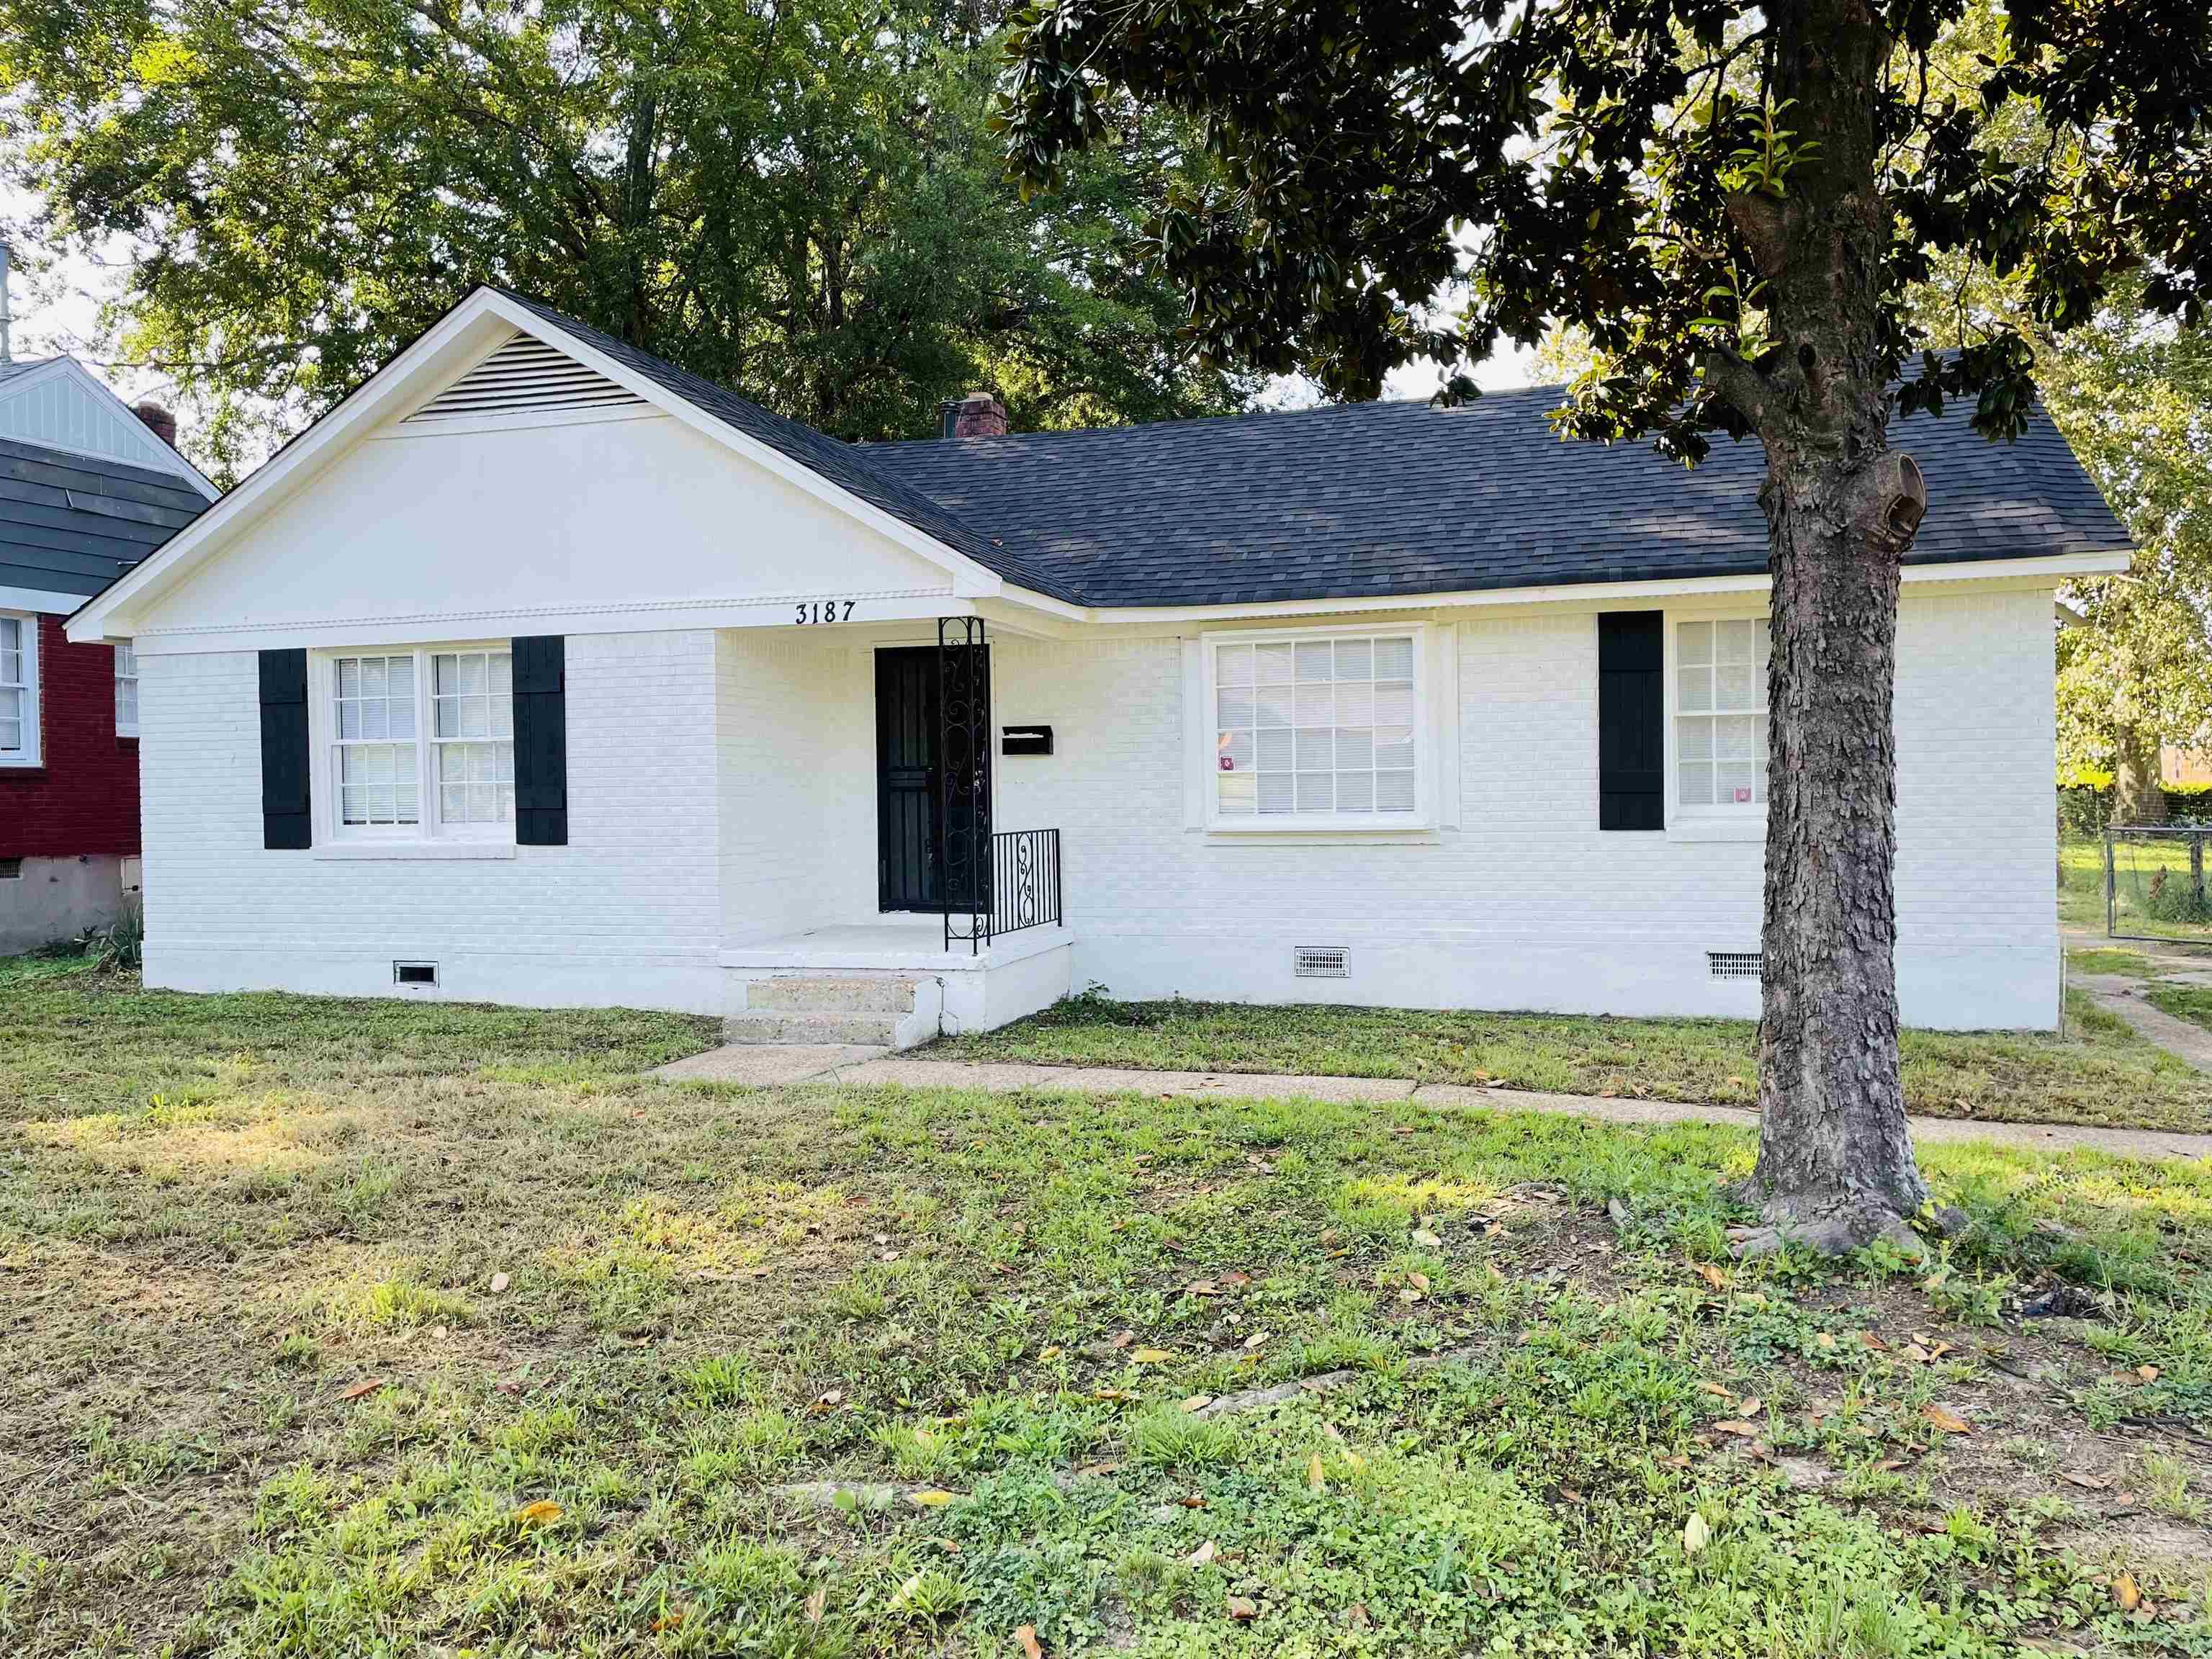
(909, 783)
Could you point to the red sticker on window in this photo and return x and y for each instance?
(1742, 796)
(1228, 764)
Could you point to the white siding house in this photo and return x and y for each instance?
(539, 672)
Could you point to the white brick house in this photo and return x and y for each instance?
(539, 671)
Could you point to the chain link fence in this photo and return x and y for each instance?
(2153, 883)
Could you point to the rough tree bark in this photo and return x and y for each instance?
(2136, 797)
(1835, 1163)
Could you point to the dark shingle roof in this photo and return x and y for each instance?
(844, 464)
(1353, 501)
(72, 524)
(1382, 498)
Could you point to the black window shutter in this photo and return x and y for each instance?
(287, 821)
(541, 741)
(1632, 736)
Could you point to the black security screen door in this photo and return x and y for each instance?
(910, 793)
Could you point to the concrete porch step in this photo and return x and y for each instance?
(761, 1025)
(821, 994)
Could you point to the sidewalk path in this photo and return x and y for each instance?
(866, 1068)
(2118, 995)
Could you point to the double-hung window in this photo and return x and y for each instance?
(421, 744)
(1317, 731)
(126, 691)
(18, 690)
(1720, 715)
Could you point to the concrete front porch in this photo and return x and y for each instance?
(888, 984)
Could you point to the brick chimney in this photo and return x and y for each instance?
(163, 424)
(978, 414)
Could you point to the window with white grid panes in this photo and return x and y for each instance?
(18, 690)
(473, 730)
(421, 742)
(1321, 727)
(373, 760)
(1720, 713)
(126, 691)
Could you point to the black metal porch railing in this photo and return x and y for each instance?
(1021, 877)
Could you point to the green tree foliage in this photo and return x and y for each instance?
(1733, 201)
(796, 197)
(2136, 399)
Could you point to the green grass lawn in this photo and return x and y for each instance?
(2098, 1070)
(381, 1329)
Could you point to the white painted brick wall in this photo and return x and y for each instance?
(721, 788)
(798, 778)
(627, 913)
(1527, 905)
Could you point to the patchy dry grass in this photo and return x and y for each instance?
(351, 1329)
(2098, 1070)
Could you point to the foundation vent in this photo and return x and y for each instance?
(1321, 961)
(414, 973)
(1734, 964)
(11, 869)
(525, 376)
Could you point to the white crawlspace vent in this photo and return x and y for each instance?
(1321, 961)
(1734, 964)
(526, 376)
(414, 973)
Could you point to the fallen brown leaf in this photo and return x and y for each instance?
(1202, 1554)
(1026, 1636)
(2127, 1594)
(1243, 1609)
(361, 1389)
(1950, 1422)
(539, 1513)
(817, 1603)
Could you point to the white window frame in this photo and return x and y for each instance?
(1427, 748)
(322, 738)
(1725, 821)
(32, 753)
(125, 648)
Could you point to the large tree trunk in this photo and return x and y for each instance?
(1835, 1165)
(2137, 795)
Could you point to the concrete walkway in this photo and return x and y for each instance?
(873, 1068)
(2124, 997)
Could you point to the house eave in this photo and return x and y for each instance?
(2040, 571)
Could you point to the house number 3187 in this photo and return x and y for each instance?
(825, 610)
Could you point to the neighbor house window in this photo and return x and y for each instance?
(18, 690)
(126, 691)
(423, 741)
(1316, 729)
(1720, 712)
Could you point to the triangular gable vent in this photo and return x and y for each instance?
(526, 376)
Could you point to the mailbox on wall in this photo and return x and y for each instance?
(1026, 740)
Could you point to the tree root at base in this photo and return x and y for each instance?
(1832, 1231)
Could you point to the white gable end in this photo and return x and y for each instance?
(525, 376)
(460, 527)
(59, 405)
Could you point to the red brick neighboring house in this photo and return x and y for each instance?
(87, 488)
